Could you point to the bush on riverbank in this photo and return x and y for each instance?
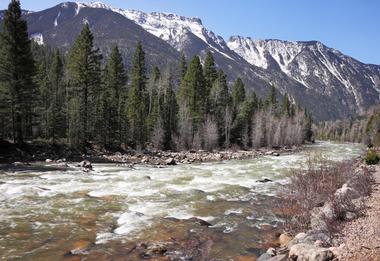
(312, 198)
(372, 158)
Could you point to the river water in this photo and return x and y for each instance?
(45, 214)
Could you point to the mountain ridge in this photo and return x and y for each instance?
(328, 83)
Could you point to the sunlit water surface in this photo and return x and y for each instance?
(45, 214)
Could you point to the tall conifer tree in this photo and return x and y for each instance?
(84, 80)
(16, 71)
(192, 92)
(137, 99)
(113, 100)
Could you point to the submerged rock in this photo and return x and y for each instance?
(265, 180)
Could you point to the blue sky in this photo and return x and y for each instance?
(351, 26)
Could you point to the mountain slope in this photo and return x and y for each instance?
(328, 83)
(59, 26)
(318, 75)
(323, 69)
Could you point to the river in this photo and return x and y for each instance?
(45, 214)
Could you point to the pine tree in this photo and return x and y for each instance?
(84, 82)
(43, 108)
(220, 102)
(182, 66)
(113, 99)
(272, 98)
(238, 93)
(58, 99)
(192, 92)
(209, 71)
(137, 99)
(168, 111)
(154, 94)
(286, 106)
(16, 71)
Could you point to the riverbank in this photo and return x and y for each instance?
(56, 155)
(360, 238)
(344, 226)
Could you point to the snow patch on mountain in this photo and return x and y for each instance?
(38, 38)
(56, 19)
(256, 51)
(172, 28)
(311, 63)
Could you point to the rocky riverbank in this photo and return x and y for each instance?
(159, 158)
(360, 238)
(57, 156)
(339, 228)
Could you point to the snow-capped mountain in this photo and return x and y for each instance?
(315, 66)
(172, 28)
(328, 83)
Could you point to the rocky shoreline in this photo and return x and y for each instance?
(319, 243)
(151, 158)
(159, 158)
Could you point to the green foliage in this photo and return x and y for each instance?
(84, 102)
(85, 84)
(238, 93)
(272, 98)
(192, 92)
(182, 66)
(113, 100)
(209, 71)
(372, 158)
(17, 69)
(168, 111)
(220, 101)
(137, 99)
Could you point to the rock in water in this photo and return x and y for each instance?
(170, 161)
(200, 221)
(265, 180)
(85, 165)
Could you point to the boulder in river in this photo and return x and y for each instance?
(170, 161)
(200, 221)
(85, 165)
(264, 180)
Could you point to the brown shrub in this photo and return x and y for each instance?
(313, 185)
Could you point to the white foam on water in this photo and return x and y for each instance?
(233, 211)
(102, 238)
(131, 222)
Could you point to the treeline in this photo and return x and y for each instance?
(81, 99)
(364, 129)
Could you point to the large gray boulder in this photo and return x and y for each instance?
(307, 252)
